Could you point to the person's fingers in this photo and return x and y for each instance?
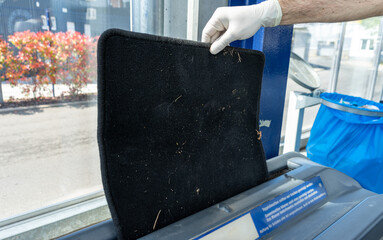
(222, 42)
(206, 34)
(213, 26)
(208, 31)
(215, 36)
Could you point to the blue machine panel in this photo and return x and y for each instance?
(276, 45)
(271, 214)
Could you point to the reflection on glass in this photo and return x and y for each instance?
(316, 43)
(358, 58)
(48, 55)
(49, 153)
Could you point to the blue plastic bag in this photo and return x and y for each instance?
(350, 143)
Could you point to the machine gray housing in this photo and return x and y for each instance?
(348, 211)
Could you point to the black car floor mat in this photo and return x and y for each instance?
(177, 127)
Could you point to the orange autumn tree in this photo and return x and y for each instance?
(28, 62)
(77, 56)
(45, 58)
(4, 53)
(3, 56)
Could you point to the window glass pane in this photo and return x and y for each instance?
(316, 44)
(48, 116)
(371, 44)
(48, 120)
(357, 64)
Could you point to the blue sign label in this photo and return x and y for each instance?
(277, 211)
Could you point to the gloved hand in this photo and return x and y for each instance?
(237, 23)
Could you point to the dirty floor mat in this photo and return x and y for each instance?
(178, 127)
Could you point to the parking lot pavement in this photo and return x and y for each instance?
(47, 155)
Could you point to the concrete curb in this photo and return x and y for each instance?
(20, 109)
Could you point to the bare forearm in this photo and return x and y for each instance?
(304, 11)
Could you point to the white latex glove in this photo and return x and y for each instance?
(237, 23)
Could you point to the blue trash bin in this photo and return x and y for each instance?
(348, 135)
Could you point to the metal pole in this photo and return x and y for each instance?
(175, 18)
(192, 20)
(168, 18)
(1, 93)
(131, 15)
(148, 16)
(145, 23)
(47, 15)
(337, 59)
(135, 16)
(298, 102)
(381, 97)
(158, 17)
(293, 125)
(374, 75)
